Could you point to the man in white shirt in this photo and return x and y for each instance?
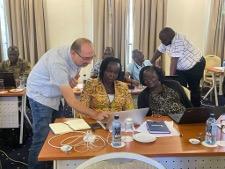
(52, 78)
(186, 61)
(133, 69)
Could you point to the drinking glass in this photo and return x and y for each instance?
(2, 86)
(221, 133)
(129, 130)
(20, 82)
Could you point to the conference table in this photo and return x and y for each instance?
(9, 109)
(174, 152)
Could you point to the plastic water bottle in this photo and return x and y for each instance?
(211, 130)
(116, 132)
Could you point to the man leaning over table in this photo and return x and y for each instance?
(186, 61)
(53, 77)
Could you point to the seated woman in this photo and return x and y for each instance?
(161, 96)
(106, 93)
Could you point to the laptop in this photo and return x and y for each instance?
(196, 114)
(137, 116)
(9, 81)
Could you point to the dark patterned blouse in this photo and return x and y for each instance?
(165, 102)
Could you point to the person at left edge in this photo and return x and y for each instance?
(53, 77)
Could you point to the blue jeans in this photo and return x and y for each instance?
(42, 115)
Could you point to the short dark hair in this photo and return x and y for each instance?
(13, 50)
(159, 72)
(136, 52)
(76, 45)
(169, 32)
(105, 63)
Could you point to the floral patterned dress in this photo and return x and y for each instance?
(95, 97)
(165, 102)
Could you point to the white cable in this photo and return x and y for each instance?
(107, 139)
(87, 142)
(70, 143)
(13, 159)
(49, 141)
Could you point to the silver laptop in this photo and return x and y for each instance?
(137, 115)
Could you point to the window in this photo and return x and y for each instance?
(4, 35)
(130, 38)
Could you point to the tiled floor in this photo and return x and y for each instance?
(9, 144)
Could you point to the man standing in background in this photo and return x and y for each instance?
(186, 61)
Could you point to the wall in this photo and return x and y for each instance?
(70, 19)
(66, 21)
(189, 17)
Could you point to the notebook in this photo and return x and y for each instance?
(137, 115)
(196, 114)
(69, 126)
(157, 127)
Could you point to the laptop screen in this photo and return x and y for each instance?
(9, 81)
(137, 115)
(196, 114)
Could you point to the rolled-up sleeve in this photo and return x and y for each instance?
(162, 48)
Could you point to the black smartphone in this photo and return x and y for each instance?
(95, 126)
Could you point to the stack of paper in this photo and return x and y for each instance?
(69, 126)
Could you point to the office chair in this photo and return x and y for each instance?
(120, 160)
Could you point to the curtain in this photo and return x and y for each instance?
(27, 28)
(216, 31)
(1, 46)
(149, 17)
(110, 26)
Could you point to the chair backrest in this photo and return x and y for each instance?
(187, 92)
(212, 61)
(119, 160)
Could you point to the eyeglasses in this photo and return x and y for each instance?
(85, 58)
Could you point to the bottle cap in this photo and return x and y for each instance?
(212, 114)
(116, 116)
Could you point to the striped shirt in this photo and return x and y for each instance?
(183, 49)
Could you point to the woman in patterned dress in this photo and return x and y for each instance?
(161, 96)
(106, 93)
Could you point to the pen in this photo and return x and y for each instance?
(102, 125)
